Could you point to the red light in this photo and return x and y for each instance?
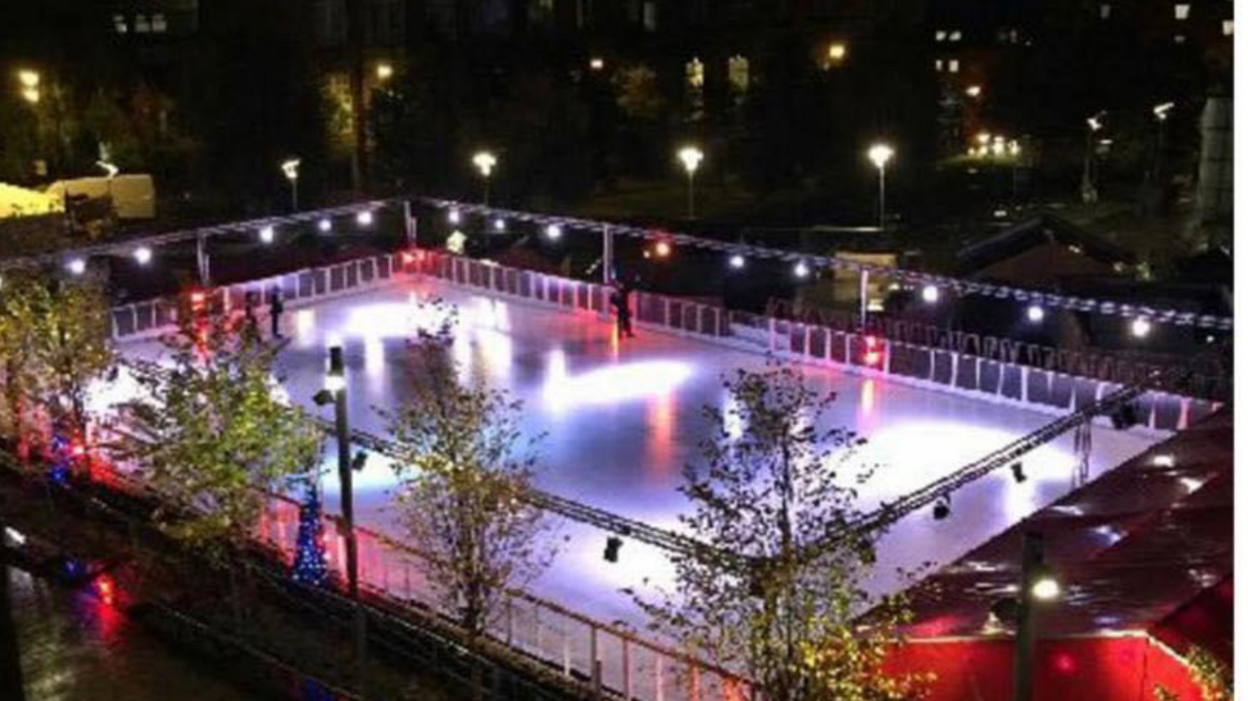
(1064, 663)
(872, 358)
(872, 342)
(197, 298)
(104, 587)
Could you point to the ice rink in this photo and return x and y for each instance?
(620, 420)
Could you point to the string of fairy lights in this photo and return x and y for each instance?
(932, 287)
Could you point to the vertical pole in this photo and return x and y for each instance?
(690, 193)
(864, 279)
(201, 259)
(882, 198)
(294, 194)
(346, 501)
(628, 671)
(608, 256)
(409, 224)
(1025, 637)
(486, 200)
(658, 677)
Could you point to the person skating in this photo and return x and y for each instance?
(275, 312)
(623, 314)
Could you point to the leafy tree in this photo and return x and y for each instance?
(210, 434)
(55, 343)
(774, 484)
(463, 474)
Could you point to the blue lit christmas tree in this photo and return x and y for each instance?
(310, 567)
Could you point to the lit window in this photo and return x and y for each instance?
(955, 35)
(1228, 27)
(1106, 10)
(141, 25)
(119, 24)
(695, 74)
(953, 65)
(739, 73)
(1182, 10)
(159, 25)
(940, 65)
(940, 35)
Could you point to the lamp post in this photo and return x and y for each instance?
(1089, 179)
(1037, 586)
(485, 162)
(111, 172)
(880, 154)
(691, 157)
(290, 168)
(1161, 112)
(335, 391)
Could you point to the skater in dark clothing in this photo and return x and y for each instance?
(275, 312)
(623, 314)
(250, 322)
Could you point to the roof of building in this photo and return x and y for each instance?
(1145, 548)
(1041, 230)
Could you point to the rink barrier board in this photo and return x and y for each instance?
(156, 317)
(964, 374)
(934, 368)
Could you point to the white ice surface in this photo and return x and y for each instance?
(620, 419)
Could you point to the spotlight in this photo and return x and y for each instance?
(364, 218)
(266, 235)
(77, 266)
(612, 551)
(801, 269)
(358, 461)
(323, 397)
(662, 249)
(1035, 314)
(942, 509)
(931, 294)
(1124, 417)
(737, 261)
(500, 225)
(553, 232)
(453, 216)
(1141, 327)
(143, 255)
(324, 225)
(1019, 475)
(1045, 586)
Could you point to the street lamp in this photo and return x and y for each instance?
(880, 154)
(1161, 112)
(1037, 586)
(1089, 182)
(691, 157)
(335, 392)
(29, 81)
(290, 168)
(111, 172)
(485, 162)
(385, 71)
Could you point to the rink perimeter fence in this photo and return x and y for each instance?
(984, 368)
(609, 658)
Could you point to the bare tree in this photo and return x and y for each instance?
(464, 468)
(772, 485)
